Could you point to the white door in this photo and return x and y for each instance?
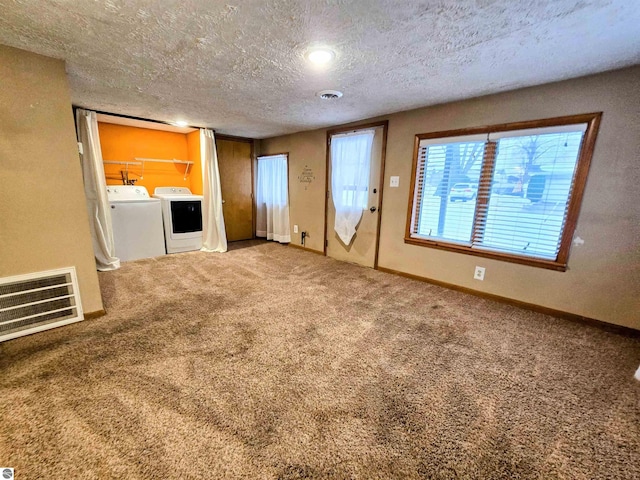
(363, 247)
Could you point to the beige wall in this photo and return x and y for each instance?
(43, 218)
(603, 279)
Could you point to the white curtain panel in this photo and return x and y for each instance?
(350, 170)
(214, 236)
(272, 199)
(95, 190)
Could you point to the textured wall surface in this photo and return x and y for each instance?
(43, 214)
(603, 278)
(239, 67)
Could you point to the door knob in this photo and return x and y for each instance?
(223, 201)
(373, 209)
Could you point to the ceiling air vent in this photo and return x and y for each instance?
(38, 301)
(329, 94)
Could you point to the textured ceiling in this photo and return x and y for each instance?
(239, 67)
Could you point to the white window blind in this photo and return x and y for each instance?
(507, 192)
(444, 167)
(526, 208)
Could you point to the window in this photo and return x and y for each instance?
(272, 198)
(350, 169)
(510, 191)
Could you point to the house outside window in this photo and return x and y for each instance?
(510, 191)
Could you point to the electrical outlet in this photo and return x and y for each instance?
(295, 229)
(479, 273)
(394, 181)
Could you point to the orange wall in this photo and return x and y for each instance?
(124, 143)
(193, 145)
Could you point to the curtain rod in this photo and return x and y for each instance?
(131, 117)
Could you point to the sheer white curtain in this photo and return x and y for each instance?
(350, 170)
(95, 191)
(272, 199)
(214, 236)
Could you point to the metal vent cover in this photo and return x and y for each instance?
(38, 301)
(329, 94)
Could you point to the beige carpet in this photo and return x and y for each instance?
(269, 362)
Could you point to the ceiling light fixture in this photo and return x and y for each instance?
(181, 123)
(320, 56)
(329, 94)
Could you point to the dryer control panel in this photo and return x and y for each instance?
(126, 192)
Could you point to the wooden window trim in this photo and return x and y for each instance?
(584, 161)
(484, 188)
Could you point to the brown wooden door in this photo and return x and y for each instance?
(234, 161)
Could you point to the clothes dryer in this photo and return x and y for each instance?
(182, 215)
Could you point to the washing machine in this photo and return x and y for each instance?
(182, 215)
(137, 222)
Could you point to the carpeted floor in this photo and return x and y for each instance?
(272, 363)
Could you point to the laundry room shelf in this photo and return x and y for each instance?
(118, 162)
(174, 161)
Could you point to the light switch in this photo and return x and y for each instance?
(394, 182)
(295, 229)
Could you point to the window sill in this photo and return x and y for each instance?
(451, 247)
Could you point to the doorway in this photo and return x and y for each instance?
(236, 184)
(272, 198)
(362, 247)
